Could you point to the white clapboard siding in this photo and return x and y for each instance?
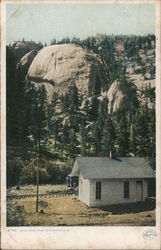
(112, 192)
(84, 190)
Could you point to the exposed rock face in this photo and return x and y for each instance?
(23, 47)
(26, 61)
(117, 96)
(58, 66)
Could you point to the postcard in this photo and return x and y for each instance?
(80, 124)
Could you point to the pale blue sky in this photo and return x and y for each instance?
(42, 22)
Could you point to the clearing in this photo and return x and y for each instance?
(65, 210)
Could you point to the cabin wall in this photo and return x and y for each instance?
(145, 188)
(84, 189)
(112, 192)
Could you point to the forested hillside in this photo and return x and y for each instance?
(53, 132)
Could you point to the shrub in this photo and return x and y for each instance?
(57, 174)
(14, 170)
(53, 171)
(15, 215)
(29, 173)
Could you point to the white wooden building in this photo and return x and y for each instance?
(103, 181)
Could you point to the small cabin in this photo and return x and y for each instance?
(104, 181)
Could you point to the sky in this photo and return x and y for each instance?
(43, 22)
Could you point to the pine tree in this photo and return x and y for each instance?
(40, 118)
(103, 110)
(83, 141)
(74, 102)
(55, 128)
(142, 132)
(86, 110)
(123, 137)
(51, 112)
(64, 100)
(93, 112)
(29, 101)
(152, 135)
(65, 139)
(74, 108)
(108, 137)
(96, 87)
(16, 105)
(49, 116)
(132, 139)
(73, 146)
(96, 138)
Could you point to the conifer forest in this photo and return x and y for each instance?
(53, 133)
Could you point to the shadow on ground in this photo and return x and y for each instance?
(136, 207)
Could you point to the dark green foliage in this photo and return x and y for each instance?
(16, 131)
(96, 87)
(57, 174)
(142, 132)
(84, 141)
(14, 171)
(15, 215)
(53, 41)
(93, 110)
(96, 138)
(86, 109)
(65, 138)
(65, 103)
(73, 146)
(123, 137)
(49, 172)
(152, 133)
(132, 139)
(73, 125)
(103, 110)
(108, 137)
(30, 170)
(39, 115)
(55, 129)
(74, 102)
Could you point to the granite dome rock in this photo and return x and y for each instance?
(58, 66)
(119, 95)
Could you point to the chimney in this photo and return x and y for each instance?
(110, 155)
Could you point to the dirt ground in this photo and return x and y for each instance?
(31, 189)
(68, 211)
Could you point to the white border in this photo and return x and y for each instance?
(78, 237)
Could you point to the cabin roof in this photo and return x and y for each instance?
(106, 168)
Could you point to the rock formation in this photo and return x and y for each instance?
(117, 96)
(58, 66)
(26, 61)
(21, 48)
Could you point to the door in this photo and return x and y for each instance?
(139, 191)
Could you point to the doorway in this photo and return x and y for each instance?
(139, 191)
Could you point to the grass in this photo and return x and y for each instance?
(31, 190)
(68, 211)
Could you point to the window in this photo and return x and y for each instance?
(98, 190)
(126, 189)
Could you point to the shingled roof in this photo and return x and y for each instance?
(106, 168)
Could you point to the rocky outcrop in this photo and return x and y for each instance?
(21, 48)
(58, 66)
(117, 96)
(26, 61)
